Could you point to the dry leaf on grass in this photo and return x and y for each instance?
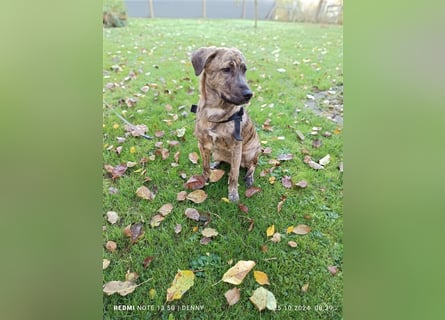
(333, 270)
(209, 232)
(178, 228)
(197, 196)
(270, 231)
(261, 277)
(286, 181)
(325, 160)
(195, 182)
(105, 263)
(301, 184)
(112, 217)
(216, 175)
(192, 213)
(181, 196)
(183, 281)
(305, 287)
(302, 229)
(165, 209)
(238, 272)
(134, 231)
(263, 298)
(292, 244)
(121, 287)
(251, 191)
(232, 296)
(145, 193)
(111, 246)
(276, 237)
(193, 157)
(156, 220)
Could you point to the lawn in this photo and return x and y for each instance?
(149, 80)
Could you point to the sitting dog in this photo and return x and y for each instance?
(223, 128)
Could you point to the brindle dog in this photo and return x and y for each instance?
(223, 128)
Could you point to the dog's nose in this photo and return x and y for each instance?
(247, 94)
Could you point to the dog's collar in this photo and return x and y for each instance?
(236, 118)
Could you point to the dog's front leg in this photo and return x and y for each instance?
(234, 171)
(205, 156)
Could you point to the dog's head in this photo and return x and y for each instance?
(223, 73)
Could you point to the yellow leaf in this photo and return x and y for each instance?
(195, 229)
(272, 180)
(261, 277)
(290, 229)
(270, 231)
(132, 150)
(183, 281)
(115, 126)
(238, 272)
(152, 293)
(225, 199)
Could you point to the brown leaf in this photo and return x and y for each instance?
(280, 204)
(251, 191)
(176, 156)
(292, 244)
(285, 157)
(165, 209)
(173, 143)
(232, 296)
(333, 270)
(156, 220)
(165, 153)
(178, 228)
(316, 143)
(301, 184)
(131, 276)
(252, 224)
(302, 229)
(267, 150)
(159, 134)
(238, 272)
(243, 208)
(216, 174)
(136, 232)
(205, 240)
(192, 213)
(136, 130)
(315, 165)
(305, 287)
(181, 196)
(197, 196)
(193, 157)
(209, 232)
(195, 182)
(117, 171)
(276, 237)
(112, 217)
(145, 193)
(121, 287)
(147, 261)
(111, 246)
(286, 182)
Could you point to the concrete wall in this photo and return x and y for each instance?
(193, 8)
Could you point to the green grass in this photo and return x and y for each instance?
(157, 52)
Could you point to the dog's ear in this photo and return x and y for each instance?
(200, 58)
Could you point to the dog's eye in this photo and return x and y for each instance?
(225, 70)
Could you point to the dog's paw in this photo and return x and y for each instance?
(233, 196)
(249, 181)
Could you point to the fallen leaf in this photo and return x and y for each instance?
(226, 200)
(300, 135)
(264, 248)
(165, 209)
(112, 217)
(133, 150)
(192, 214)
(197, 196)
(251, 191)
(285, 157)
(156, 220)
(145, 193)
(243, 208)
(305, 287)
(315, 165)
(261, 277)
(267, 150)
(193, 157)
(152, 293)
(209, 232)
(121, 287)
(276, 237)
(340, 166)
(270, 231)
(272, 179)
(134, 231)
(183, 281)
(147, 261)
(137, 130)
(286, 182)
(252, 224)
(131, 164)
(117, 171)
(178, 228)
(195, 182)
(280, 204)
(290, 229)
(205, 240)
(325, 160)
(292, 244)
(111, 246)
(181, 196)
(333, 270)
(302, 229)
(216, 174)
(238, 272)
(301, 184)
(105, 263)
(232, 296)
(316, 143)
(159, 134)
(131, 276)
(263, 298)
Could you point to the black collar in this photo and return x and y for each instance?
(236, 118)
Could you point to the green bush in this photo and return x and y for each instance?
(114, 13)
